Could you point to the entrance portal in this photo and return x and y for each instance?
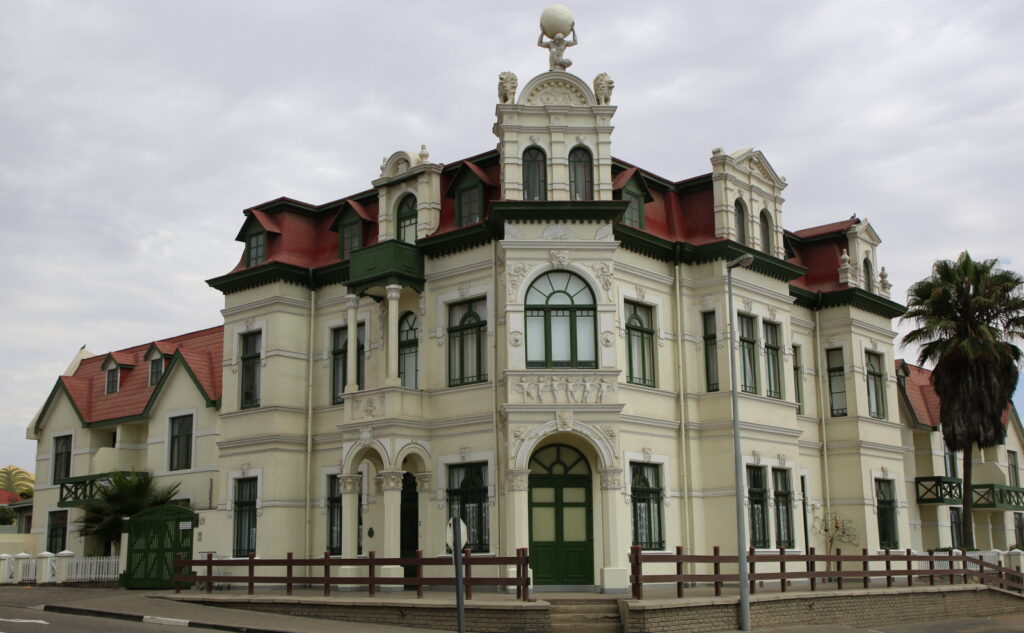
(561, 521)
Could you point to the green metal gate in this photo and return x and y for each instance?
(155, 536)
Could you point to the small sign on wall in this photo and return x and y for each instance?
(184, 525)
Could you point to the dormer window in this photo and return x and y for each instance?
(766, 232)
(469, 209)
(113, 379)
(535, 174)
(407, 219)
(581, 174)
(351, 238)
(869, 276)
(255, 249)
(156, 370)
(634, 215)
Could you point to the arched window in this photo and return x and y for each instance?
(766, 232)
(407, 219)
(581, 174)
(466, 342)
(869, 276)
(408, 350)
(741, 222)
(535, 174)
(561, 329)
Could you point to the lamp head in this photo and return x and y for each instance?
(743, 261)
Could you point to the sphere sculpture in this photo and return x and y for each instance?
(556, 19)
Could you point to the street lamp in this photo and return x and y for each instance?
(743, 261)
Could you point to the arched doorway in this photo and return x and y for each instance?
(561, 517)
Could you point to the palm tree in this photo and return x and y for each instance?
(968, 315)
(15, 479)
(123, 495)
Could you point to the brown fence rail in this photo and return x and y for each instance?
(521, 581)
(813, 567)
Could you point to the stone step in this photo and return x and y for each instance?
(584, 617)
(586, 628)
(604, 612)
(581, 601)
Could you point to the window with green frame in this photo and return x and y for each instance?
(339, 361)
(757, 498)
(956, 527)
(773, 361)
(783, 491)
(466, 326)
(640, 344)
(949, 458)
(836, 381)
(245, 517)
(1018, 529)
(467, 500)
(876, 384)
(61, 458)
(710, 350)
(57, 531)
(581, 174)
(407, 219)
(561, 322)
(798, 380)
(469, 205)
(113, 380)
(535, 174)
(255, 249)
(885, 497)
(156, 370)
(1012, 469)
(351, 238)
(250, 379)
(646, 497)
(634, 214)
(408, 350)
(748, 354)
(181, 443)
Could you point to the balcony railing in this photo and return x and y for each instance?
(940, 490)
(76, 490)
(998, 496)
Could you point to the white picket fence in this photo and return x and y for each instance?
(28, 570)
(989, 556)
(93, 568)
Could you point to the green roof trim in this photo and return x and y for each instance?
(856, 297)
(544, 210)
(729, 250)
(260, 275)
(336, 273)
(456, 240)
(644, 243)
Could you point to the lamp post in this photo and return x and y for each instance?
(742, 261)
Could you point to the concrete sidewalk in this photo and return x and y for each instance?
(148, 606)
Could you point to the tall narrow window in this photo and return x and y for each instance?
(956, 527)
(741, 222)
(869, 276)
(885, 495)
(61, 459)
(561, 328)
(634, 214)
(1018, 529)
(408, 350)
(466, 327)
(748, 353)
(181, 443)
(57, 531)
(245, 517)
(156, 370)
(467, 500)
(757, 496)
(949, 458)
(581, 174)
(334, 515)
(255, 249)
(766, 232)
(407, 219)
(646, 493)
(351, 238)
(876, 385)
(773, 362)
(710, 350)
(251, 346)
(339, 361)
(1012, 469)
(836, 381)
(640, 344)
(783, 508)
(535, 174)
(470, 209)
(113, 379)
(798, 380)
(803, 505)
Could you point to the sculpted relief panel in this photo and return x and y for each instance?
(556, 389)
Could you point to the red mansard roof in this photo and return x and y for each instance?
(922, 396)
(201, 352)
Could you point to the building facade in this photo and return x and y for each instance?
(533, 339)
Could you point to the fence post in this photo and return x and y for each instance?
(419, 573)
(810, 568)
(839, 569)
(467, 577)
(910, 568)
(866, 567)
(635, 568)
(21, 566)
(44, 568)
(370, 573)
(175, 570)
(679, 571)
(6, 569)
(931, 567)
(519, 573)
(888, 568)
(289, 574)
(209, 572)
(750, 573)
(252, 572)
(782, 568)
(526, 574)
(718, 571)
(63, 562)
(951, 567)
(327, 573)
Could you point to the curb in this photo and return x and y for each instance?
(56, 608)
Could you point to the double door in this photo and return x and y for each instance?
(561, 530)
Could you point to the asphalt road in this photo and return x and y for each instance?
(38, 621)
(1000, 624)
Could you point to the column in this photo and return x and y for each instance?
(351, 366)
(392, 378)
(429, 542)
(517, 495)
(615, 570)
(391, 493)
(350, 488)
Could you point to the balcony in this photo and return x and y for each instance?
(998, 496)
(940, 490)
(77, 490)
(384, 263)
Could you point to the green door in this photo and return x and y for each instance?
(155, 536)
(561, 518)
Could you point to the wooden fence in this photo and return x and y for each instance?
(521, 581)
(813, 567)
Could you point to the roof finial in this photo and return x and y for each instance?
(844, 259)
(424, 154)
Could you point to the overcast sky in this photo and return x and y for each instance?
(132, 134)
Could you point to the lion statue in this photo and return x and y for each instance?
(507, 84)
(603, 86)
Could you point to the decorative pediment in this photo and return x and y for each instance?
(865, 231)
(632, 178)
(398, 163)
(753, 161)
(557, 88)
(351, 211)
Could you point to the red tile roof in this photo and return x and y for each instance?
(922, 395)
(825, 229)
(200, 351)
(7, 497)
